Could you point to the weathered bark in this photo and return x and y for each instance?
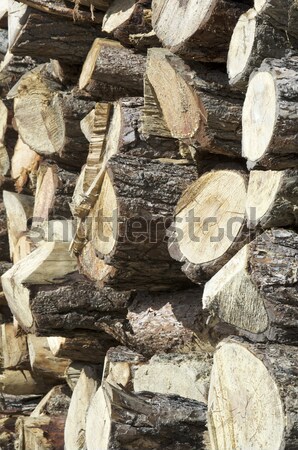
(42, 35)
(128, 17)
(130, 219)
(14, 349)
(55, 403)
(257, 289)
(75, 426)
(252, 400)
(4, 244)
(121, 420)
(205, 234)
(48, 120)
(4, 157)
(12, 69)
(196, 31)
(112, 71)
(101, 5)
(44, 433)
(88, 349)
(3, 43)
(271, 100)
(292, 25)
(272, 198)
(3, 14)
(198, 104)
(253, 40)
(276, 11)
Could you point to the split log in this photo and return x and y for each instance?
(55, 403)
(43, 362)
(130, 219)
(253, 40)
(112, 71)
(271, 99)
(84, 391)
(22, 382)
(196, 31)
(124, 420)
(88, 349)
(12, 69)
(205, 234)
(42, 35)
(44, 433)
(253, 397)
(24, 166)
(198, 105)
(48, 120)
(257, 289)
(272, 198)
(14, 349)
(128, 17)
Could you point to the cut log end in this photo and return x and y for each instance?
(118, 13)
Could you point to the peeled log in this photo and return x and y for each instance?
(256, 291)
(195, 29)
(270, 125)
(205, 234)
(130, 219)
(197, 103)
(118, 419)
(252, 400)
(253, 40)
(112, 71)
(272, 198)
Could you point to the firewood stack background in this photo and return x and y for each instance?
(148, 224)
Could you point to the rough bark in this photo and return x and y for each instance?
(24, 166)
(112, 71)
(3, 43)
(292, 28)
(276, 11)
(12, 69)
(257, 290)
(4, 244)
(44, 433)
(252, 400)
(196, 31)
(271, 96)
(88, 349)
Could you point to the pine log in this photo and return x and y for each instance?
(130, 219)
(14, 349)
(89, 349)
(257, 289)
(253, 397)
(272, 198)
(48, 120)
(42, 35)
(42, 433)
(198, 105)
(24, 166)
(172, 322)
(128, 17)
(118, 419)
(12, 68)
(55, 403)
(253, 40)
(205, 234)
(270, 130)
(84, 391)
(196, 31)
(112, 71)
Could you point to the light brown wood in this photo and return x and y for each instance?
(14, 348)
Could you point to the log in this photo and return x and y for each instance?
(56, 118)
(204, 234)
(22, 382)
(196, 31)
(256, 290)
(130, 219)
(112, 71)
(89, 349)
(270, 100)
(12, 68)
(14, 349)
(44, 433)
(198, 105)
(127, 17)
(272, 198)
(3, 14)
(73, 372)
(42, 35)
(3, 43)
(84, 391)
(4, 244)
(101, 5)
(4, 158)
(253, 381)
(55, 403)
(24, 166)
(124, 420)
(253, 40)
(292, 28)
(275, 10)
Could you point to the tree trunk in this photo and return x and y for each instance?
(252, 399)
(118, 419)
(271, 100)
(89, 349)
(205, 234)
(257, 289)
(198, 105)
(253, 40)
(194, 31)
(127, 17)
(130, 219)
(112, 71)
(14, 349)
(75, 426)
(272, 198)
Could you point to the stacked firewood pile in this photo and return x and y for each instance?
(148, 224)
